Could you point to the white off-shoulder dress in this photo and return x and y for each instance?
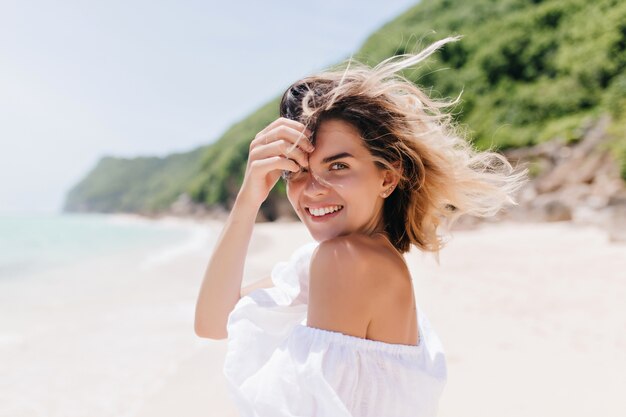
(277, 366)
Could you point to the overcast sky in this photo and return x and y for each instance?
(83, 79)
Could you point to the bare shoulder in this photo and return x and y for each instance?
(361, 258)
(350, 279)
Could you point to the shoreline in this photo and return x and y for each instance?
(465, 223)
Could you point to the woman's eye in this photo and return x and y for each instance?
(341, 164)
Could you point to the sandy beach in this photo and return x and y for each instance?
(531, 317)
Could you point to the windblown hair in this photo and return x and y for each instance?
(441, 175)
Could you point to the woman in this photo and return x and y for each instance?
(372, 166)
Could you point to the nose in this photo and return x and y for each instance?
(313, 186)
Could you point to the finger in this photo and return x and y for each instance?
(281, 121)
(294, 152)
(296, 137)
(294, 124)
(280, 147)
(283, 132)
(266, 165)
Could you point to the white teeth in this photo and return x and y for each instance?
(325, 210)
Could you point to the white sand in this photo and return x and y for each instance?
(532, 317)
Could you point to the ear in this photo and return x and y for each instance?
(390, 180)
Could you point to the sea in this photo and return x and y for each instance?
(30, 243)
(96, 315)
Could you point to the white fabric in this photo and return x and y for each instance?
(277, 366)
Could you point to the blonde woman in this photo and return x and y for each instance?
(372, 166)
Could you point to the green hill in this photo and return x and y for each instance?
(530, 71)
(145, 184)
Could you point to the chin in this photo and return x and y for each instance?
(321, 236)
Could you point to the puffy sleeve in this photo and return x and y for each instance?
(291, 279)
(278, 366)
(261, 320)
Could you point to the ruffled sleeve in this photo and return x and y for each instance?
(278, 366)
(291, 278)
(261, 320)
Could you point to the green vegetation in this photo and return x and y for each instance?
(145, 185)
(529, 70)
(224, 163)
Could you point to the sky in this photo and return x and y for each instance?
(80, 80)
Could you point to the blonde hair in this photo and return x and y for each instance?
(441, 175)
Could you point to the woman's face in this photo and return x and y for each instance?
(341, 173)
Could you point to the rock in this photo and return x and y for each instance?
(527, 195)
(184, 206)
(578, 163)
(618, 199)
(276, 207)
(545, 150)
(579, 181)
(616, 224)
(261, 217)
(616, 213)
(556, 211)
(550, 208)
(466, 222)
(285, 211)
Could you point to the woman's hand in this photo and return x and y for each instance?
(283, 145)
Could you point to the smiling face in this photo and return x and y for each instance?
(342, 174)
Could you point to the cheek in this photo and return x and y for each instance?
(356, 186)
(343, 182)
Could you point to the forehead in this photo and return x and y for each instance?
(339, 135)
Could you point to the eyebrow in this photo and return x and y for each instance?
(337, 156)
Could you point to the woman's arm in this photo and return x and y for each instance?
(262, 283)
(283, 145)
(221, 286)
